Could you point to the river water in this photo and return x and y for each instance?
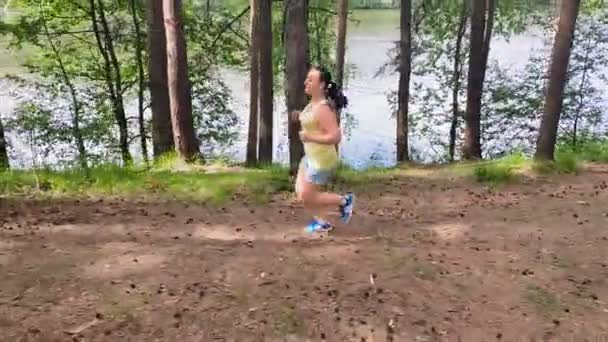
(371, 142)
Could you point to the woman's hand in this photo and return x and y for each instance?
(304, 136)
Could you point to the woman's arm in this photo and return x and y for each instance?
(328, 125)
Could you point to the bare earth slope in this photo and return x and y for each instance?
(426, 258)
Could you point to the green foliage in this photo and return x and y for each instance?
(515, 102)
(569, 157)
(566, 162)
(153, 184)
(322, 40)
(587, 150)
(513, 99)
(434, 49)
(373, 4)
(502, 170)
(217, 39)
(42, 121)
(68, 23)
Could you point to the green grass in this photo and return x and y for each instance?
(221, 180)
(545, 302)
(595, 151)
(502, 170)
(568, 160)
(364, 177)
(201, 185)
(287, 321)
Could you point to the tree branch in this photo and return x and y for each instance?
(228, 26)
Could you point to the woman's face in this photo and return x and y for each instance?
(313, 85)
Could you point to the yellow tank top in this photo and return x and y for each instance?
(321, 156)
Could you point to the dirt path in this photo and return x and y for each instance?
(426, 259)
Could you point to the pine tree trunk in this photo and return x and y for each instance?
(296, 43)
(342, 21)
(162, 131)
(140, 81)
(545, 146)
(180, 93)
(266, 83)
(457, 72)
(472, 139)
(405, 69)
(4, 163)
(342, 7)
(117, 100)
(489, 29)
(254, 87)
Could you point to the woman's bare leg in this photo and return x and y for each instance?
(316, 202)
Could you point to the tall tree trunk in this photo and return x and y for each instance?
(162, 131)
(76, 107)
(341, 26)
(342, 7)
(4, 163)
(405, 69)
(296, 43)
(477, 69)
(457, 72)
(545, 146)
(180, 92)
(254, 79)
(140, 80)
(489, 29)
(118, 103)
(266, 83)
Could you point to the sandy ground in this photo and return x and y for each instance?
(426, 258)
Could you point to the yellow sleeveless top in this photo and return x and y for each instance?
(320, 156)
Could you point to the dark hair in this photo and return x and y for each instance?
(332, 90)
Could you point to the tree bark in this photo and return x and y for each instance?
(296, 43)
(266, 83)
(4, 162)
(140, 80)
(254, 79)
(457, 72)
(405, 69)
(118, 102)
(162, 131)
(180, 92)
(477, 69)
(489, 29)
(545, 146)
(342, 21)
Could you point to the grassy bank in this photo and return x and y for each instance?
(202, 185)
(568, 160)
(220, 183)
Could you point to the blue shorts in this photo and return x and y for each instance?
(315, 176)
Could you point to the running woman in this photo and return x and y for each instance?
(320, 134)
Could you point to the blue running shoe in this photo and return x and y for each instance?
(319, 227)
(346, 210)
